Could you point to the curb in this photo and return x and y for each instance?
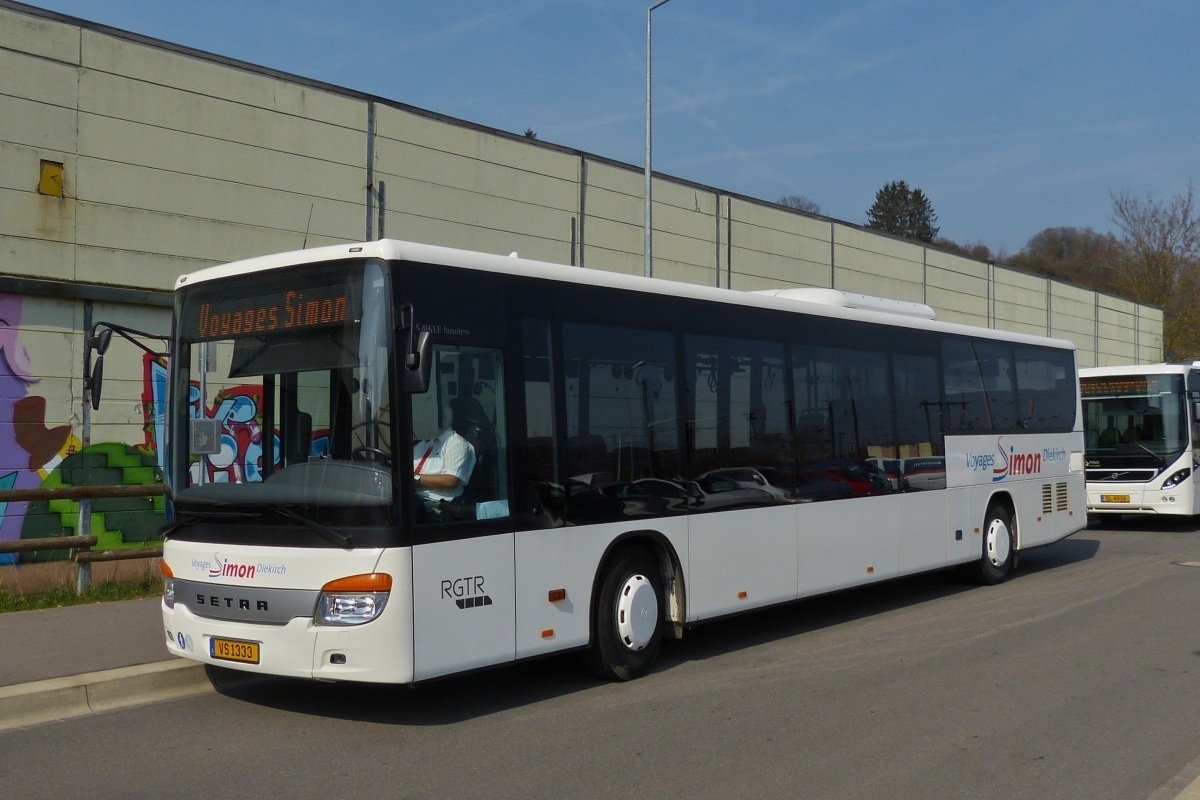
(62, 698)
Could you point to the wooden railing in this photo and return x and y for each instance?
(85, 556)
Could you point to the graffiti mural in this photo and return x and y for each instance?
(34, 454)
(28, 449)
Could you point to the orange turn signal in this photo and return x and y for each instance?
(741, 595)
(372, 582)
(166, 571)
(546, 634)
(557, 594)
(870, 569)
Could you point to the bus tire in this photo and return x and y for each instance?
(999, 551)
(628, 617)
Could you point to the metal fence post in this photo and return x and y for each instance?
(83, 570)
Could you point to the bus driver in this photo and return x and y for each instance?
(442, 466)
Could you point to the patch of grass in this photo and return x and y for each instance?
(148, 586)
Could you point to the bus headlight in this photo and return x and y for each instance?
(1177, 478)
(354, 600)
(168, 585)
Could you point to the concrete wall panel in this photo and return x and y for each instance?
(39, 37)
(152, 104)
(105, 53)
(50, 128)
(37, 216)
(137, 187)
(179, 152)
(435, 135)
(42, 81)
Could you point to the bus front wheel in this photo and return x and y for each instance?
(999, 550)
(628, 617)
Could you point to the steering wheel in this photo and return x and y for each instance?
(372, 454)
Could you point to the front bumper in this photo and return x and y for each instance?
(373, 652)
(1176, 501)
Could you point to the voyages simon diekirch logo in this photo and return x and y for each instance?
(225, 568)
(1012, 463)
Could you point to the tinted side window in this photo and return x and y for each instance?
(460, 458)
(1045, 388)
(622, 423)
(538, 486)
(919, 422)
(966, 408)
(738, 427)
(999, 382)
(844, 425)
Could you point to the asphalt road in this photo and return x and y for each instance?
(1079, 678)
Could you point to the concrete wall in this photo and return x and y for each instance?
(175, 160)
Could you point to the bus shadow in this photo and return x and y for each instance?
(1154, 524)
(1060, 554)
(440, 702)
(816, 613)
(473, 695)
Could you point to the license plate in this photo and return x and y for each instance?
(232, 650)
(1114, 498)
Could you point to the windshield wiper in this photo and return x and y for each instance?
(1162, 462)
(337, 537)
(186, 518)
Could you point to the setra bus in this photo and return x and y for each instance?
(598, 461)
(1141, 439)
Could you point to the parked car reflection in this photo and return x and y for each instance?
(764, 479)
(844, 478)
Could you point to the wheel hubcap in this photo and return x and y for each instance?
(998, 542)
(637, 612)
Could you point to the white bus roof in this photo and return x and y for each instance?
(1138, 369)
(395, 250)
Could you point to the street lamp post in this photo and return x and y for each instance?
(649, 248)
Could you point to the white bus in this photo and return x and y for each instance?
(598, 461)
(1141, 439)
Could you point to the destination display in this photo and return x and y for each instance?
(254, 308)
(1109, 387)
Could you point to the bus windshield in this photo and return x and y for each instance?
(1135, 414)
(286, 375)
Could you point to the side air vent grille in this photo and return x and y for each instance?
(1060, 497)
(1047, 499)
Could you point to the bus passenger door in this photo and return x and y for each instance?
(463, 552)
(1192, 401)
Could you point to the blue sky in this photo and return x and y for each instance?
(1011, 116)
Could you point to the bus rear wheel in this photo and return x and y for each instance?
(999, 546)
(627, 620)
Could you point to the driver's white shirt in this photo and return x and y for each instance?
(448, 454)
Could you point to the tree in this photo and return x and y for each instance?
(1077, 255)
(1158, 263)
(530, 133)
(976, 250)
(800, 203)
(904, 212)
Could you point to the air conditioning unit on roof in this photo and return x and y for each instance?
(862, 302)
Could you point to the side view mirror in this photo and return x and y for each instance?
(97, 381)
(93, 374)
(417, 364)
(97, 341)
